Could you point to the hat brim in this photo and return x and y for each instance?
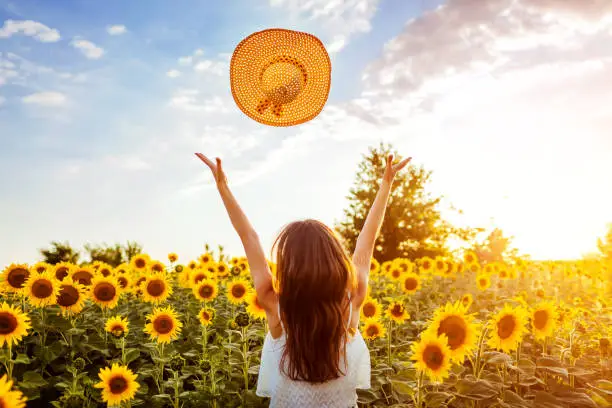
(250, 58)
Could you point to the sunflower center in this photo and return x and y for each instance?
(205, 315)
(105, 272)
(483, 281)
(17, 277)
(369, 310)
(157, 268)
(396, 273)
(238, 291)
(83, 277)
(118, 385)
(433, 357)
(506, 326)
(8, 323)
(105, 291)
(440, 265)
(199, 277)
(123, 282)
(69, 295)
(117, 330)
(455, 329)
(221, 269)
(42, 288)
(140, 263)
(206, 291)
(426, 265)
(540, 319)
(397, 310)
(156, 287)
(163, 325)
(410, 284)
(372, 331)
(61, 272)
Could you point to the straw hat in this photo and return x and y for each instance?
(280, 77)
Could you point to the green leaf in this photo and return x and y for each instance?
(475, 389)
(403, 387)
(22, 359)
(495, 357)
(436, 399)
(31, 379)
(576, 399)
(131, 354)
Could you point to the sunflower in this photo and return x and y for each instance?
(470, 258)
(431, 356)
(411, 283)
(105, 292)
(374, 266)
(386, 267)
(404, 264)
(222, 270)
(163, 325)
(118, 384)
(198, 275)
(8, 398)
(483, 282)
(40, 267)
(124, 281)
(156, 288)
(543, 320)
(192, 265)
(395, 273)
(397, 312)
(172, 257)
(371, 309)
(14, 324)
(467, 300)
(427, 264)
(42, 289)
(72, 296)
(507, 328)
(237, 290)
(234, 261)
(451, 268)
(254, 308)
(157, 267)
(62, 269)
(372, 329)
(206, 316)
(117, 325)
(243, 265)
(206, 290)
(489, 269)
(122, 269)
(440, 266)
(14, 277)
(83, 275)
(460, 268)
(474, 268)
(104, 269)
(140, 262)
(458, 327)
(205, 258)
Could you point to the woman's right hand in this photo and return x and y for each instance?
(215, 168)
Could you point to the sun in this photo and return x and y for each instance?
(431, 356)
(460, 329)
(118, 384)
(163, 325)
(507, 327)
(156, 288)
(42, 289)
(14, 324)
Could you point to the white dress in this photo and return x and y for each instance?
(338, 393)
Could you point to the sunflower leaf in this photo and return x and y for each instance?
(32, 379)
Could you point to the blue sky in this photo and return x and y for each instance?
(102, 105)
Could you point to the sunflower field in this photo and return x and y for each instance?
(441, 332)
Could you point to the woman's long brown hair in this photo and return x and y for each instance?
(314, 274)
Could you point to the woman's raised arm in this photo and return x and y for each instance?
(260, 271)
(364, 246)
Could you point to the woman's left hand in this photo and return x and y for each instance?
(392, 169)
(215, 168)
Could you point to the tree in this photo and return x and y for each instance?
(495, 247)
(113, 255)
(60, 252)
(413, 226)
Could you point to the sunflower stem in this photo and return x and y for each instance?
(176, 390)
(389, 342)
(419, 386)
(43, 338)
(479, 352)
(245, 354)
(123, 350)
(518, 373)
(9, 368)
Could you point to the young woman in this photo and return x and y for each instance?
(313, 354)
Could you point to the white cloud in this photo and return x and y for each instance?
(185, 60)
(87, 48)
(173, 73)
(339, 19)
(199, 52)
(29, 28)
(49, 98)
(211, 67)
(116, 29)
(189, 100)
